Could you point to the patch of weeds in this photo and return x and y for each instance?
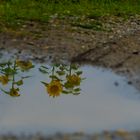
(42, 10)
(12, 23)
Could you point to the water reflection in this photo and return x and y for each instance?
(106, 100)
(10, 75)
(63, 79)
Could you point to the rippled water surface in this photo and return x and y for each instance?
(106, 102)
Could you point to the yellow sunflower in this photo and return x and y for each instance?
(14, 92)
(54, 88)
(24, 65)
(4, 79)
(74, 80)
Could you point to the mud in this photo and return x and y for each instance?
(122, 55)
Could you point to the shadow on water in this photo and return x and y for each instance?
(105, 100)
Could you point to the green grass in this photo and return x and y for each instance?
(14, 12)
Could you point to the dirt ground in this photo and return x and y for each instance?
(116, 45)
(106, 135)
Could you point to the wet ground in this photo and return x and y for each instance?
(122, 55)
(110, 95)
(115, 45)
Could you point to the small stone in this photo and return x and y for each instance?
(116, 83)
(14, 40)
(129, 82)
(135, 52)
(46, 47)
(111, 37)
(83, 47)
(24, 26)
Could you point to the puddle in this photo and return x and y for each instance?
(106, 102)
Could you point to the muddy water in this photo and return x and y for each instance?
(106, 102)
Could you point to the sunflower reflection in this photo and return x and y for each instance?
(10, 76)
(4, 79)
(14, 92)
(64, 79)
(24, 65)
(73, 80)
(54, 88)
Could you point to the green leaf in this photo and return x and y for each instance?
(83, 78)
(17, 89)
(56, 65)
(25, 77)
(65, 92)
(43, 71)
(79, 72)
(54, 77)
(68, 85)
(76, 93)
(5, 64)
(19, 83)
(44, 83)
(77, 89)
(45, 67)
(60, 73)
(9, 71)
(62, 68)
(74, 66)
(6, 92)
